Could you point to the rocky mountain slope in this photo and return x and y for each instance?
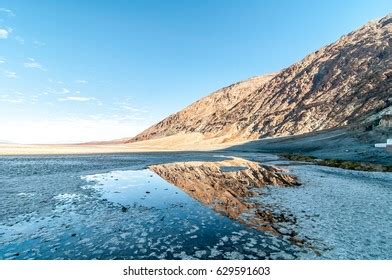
(340, 84)
(199, 116)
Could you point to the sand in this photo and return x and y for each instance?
(179, 142)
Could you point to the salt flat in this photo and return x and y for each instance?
(113, 206)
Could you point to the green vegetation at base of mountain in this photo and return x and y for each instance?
(345, 164)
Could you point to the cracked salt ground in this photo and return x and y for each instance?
(74, 218)
(348, 213)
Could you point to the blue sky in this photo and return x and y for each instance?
(96, 70)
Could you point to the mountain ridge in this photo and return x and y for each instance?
(340, 84)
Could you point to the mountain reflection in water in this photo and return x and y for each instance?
(228, 186)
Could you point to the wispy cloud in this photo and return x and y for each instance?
(133, 109)
(4, 33)
(55, 82)
(124, 118)
(15, 97)
(38, 43)
(127, 105)
(9, 74)
(7, 11)
(57, 91)
(81, 82)
(77, 98)
(20, 40)
(2, 60)
(33, 64)
(125, 110)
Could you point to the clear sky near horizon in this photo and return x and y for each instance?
(74, 71)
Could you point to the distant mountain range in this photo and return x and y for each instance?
(339, 85)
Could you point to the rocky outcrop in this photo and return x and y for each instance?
(338, 85)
